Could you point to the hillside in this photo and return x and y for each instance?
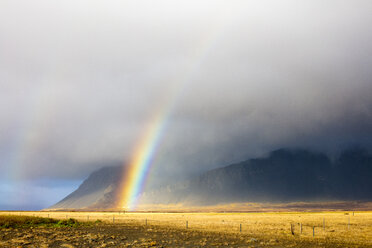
(98, 190)
(283, 176)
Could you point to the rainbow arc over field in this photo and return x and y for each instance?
(138, 168)
(136, 172)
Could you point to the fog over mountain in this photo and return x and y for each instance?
(81, 80)
(283, 176)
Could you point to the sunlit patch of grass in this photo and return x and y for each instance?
(28, 221)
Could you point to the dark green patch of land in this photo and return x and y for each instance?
(13, 221)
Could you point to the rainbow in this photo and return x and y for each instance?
(136, 171)
(30, 138)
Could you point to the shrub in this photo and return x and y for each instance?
(68, 223)
(28, 221)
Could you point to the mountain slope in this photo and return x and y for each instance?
(98, 189)
(284, 175)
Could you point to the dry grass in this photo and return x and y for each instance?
(274, 227)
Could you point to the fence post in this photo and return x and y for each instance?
(240, 227)
(313, 231)
(187, 224)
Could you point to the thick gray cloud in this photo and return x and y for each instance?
(80, 80)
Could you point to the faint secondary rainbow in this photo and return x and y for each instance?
(136, 171)
(33, 133)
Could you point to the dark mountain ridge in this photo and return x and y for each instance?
(284, 175)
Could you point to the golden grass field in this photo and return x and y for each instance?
(331, 229)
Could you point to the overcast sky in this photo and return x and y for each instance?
(80, 80)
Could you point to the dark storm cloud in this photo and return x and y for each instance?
(80, 80)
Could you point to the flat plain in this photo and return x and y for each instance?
(134, 229)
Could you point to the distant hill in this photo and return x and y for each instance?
(97, 191)
(284, 175)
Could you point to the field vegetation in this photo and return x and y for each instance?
(13, 221)
(276, 229)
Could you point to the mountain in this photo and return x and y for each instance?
(284, 175)
(97, 191)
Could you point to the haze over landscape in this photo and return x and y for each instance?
(223, 81)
